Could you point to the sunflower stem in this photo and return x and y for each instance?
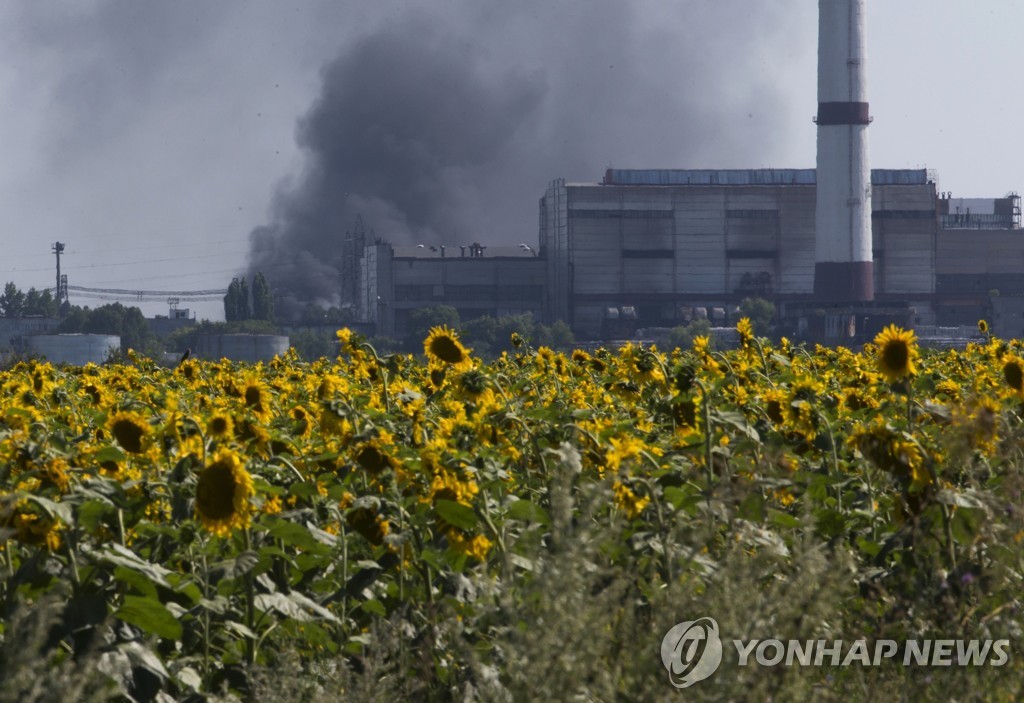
(250, 604)
(206, 618)
(707, 449)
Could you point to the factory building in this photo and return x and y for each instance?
(979, 267)
(654, 246)
(659, 242)
(474, 279)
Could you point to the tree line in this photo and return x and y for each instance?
(239, 307)
(35, 303)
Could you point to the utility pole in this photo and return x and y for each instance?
(58, 249)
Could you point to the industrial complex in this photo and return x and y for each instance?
(840, 249)
(658, 246)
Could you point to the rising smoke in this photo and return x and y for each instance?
(446, 128)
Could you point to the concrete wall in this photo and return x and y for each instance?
(14, 329)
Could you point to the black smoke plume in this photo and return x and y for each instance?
(447, 128)
(404, 117)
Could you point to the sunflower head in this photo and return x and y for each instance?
(257, 397)
(372, 457)
(746, 330)
(702, 345)
(370, 524)
(223, 492)
(473, 383)
(897, 350)
(983, 326)
(442, 345)
(1013, 373)
(220, 424)
(302, 421)
(130, 430)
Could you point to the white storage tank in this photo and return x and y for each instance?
(74, 349)
(241, 347)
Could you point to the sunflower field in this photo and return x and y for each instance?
(393, 527)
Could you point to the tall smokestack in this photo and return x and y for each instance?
(843, 267)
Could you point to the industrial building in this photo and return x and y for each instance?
(656, 244)
(841, 249)
(661, 242)
(475, 280)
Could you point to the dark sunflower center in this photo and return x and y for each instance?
(1014, 375)
(474, 383)
(854, 402)
(253, 396)
(128, 435)
(372, 459)
(446, 349)
(219, 425)
(215, 492)
(896, 356)
(365, 523)
(685, 412)
(437, 377)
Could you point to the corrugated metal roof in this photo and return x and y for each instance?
(746, 177)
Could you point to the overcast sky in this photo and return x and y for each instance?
(154, 138)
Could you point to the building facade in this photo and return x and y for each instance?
(659, 242)
(656, 247)
(477, 281)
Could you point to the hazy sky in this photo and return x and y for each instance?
(153, 138)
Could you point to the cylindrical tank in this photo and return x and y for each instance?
(241, 347)
(74, 349)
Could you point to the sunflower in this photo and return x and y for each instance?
(223, 492)
(29, 526)
(476, 546)
(373, 458)
(897, 350)
(437, 376)
(746, 330)
(368, 522)
(220, 425)
(130, 430)
(302, 421)
(443, 345)
(629, 502)
(257, 397)
(472, 384)
(95, 393)
(983, 327)
(1013, 373)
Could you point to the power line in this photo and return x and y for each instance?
(148, 295)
